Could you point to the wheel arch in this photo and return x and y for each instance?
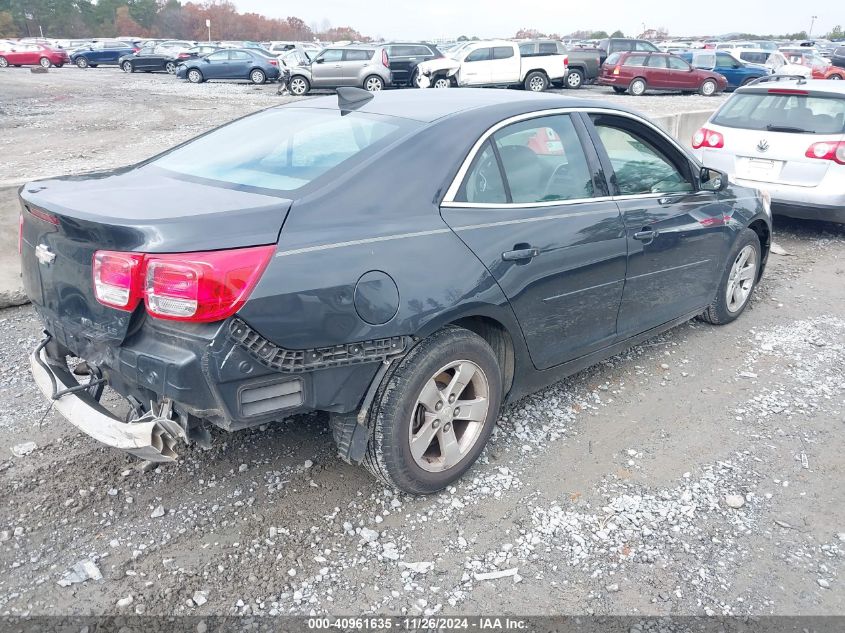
(764, 234)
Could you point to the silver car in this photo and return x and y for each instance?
(365, 67)
(785, 136)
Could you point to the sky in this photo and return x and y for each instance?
(428, 19)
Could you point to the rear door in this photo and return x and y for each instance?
(534, 208)
(240, 63)
(505, 66)
(354, 61)
(657, 72)
(677, 236)
(402, 61)
(327, 70)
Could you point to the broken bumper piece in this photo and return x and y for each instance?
(151, 437)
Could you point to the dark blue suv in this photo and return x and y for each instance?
(102, 52)
(737, 72)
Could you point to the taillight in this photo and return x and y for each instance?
(707, 138)
(565, 60)
(208, 286)
(831, 150)
(199, 287)
(616, 70)
(273, 62)
(116, 279)
(384, 60)
(787, 91)
(43, 215)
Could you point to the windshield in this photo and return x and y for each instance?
(784, 113)
(283, 148)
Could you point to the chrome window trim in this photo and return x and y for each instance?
(523, 205)
(452, 191)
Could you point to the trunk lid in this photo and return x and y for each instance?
(147, 210)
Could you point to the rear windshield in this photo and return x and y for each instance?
(284, 148)
(787, 113)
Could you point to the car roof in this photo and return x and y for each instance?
(430, 105)
(813, 86)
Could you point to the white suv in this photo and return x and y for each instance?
(786, 136)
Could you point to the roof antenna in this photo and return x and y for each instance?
(349, 98)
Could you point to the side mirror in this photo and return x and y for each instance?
(713, 179)
(319, 61)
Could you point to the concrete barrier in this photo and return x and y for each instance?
(682, 126)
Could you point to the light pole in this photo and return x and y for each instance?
(813, 19)
(208, 26)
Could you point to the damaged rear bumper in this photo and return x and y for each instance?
(150, 437)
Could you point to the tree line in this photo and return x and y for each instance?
(156, 18)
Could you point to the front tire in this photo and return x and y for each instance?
(738, 281)
(257, 77)
(195, 76)
(299, 86)
(434, 413)
(128, 67)
(708, 88)
(618, 90)
(170, 68)
(4, 63)
(441, 82)
(637, 87)
(835, 77)
(45, 63)
(574, 79)
(373, 83)
(536, 82)
(81, 62)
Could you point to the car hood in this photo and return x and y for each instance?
(441, 63)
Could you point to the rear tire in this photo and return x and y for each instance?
(81, 62)
(299, 86)
(835, 77)
(398, 413)
(128, 67)
(536, 82)
(637, 87)
(708, 88)
(4, 63)
(619, 90)
(574, 79)
(195, 76)
(257, 76)
(170, 68)
(45, 63)
(373, 83)
(738, 280)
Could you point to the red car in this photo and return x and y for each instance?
(33, 54)
(812, 60)
(637, 71)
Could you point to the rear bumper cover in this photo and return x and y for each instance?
(153, 440)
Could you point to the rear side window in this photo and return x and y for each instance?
(633, 60)
(795, 113)
(526, 49)
(283, 149)
(502, 52)
(548, 48)
(614, 59)
(357, 56)
(656, 61)
(483, 183)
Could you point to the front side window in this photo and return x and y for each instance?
(640, 167)
(725, 60)
(287, 147)
(656, 61)
(332, 55)
(146, 51)
(239, 56)
(222, 56)
(676, 63)
(479, 55)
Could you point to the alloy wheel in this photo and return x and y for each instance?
(170, 67)
(449, 416)
(741, 279)
(637, 87)
(373, 84)
(708, 88)
(442, 82)
(257, 77)
(46, 63)
(537, 84)
(573, 80)
(298, 86)
(127, 67)
(4, 63)
(194, 76)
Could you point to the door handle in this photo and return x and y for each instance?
(520, 254)
(646, 235)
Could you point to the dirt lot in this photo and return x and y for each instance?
(609, 493)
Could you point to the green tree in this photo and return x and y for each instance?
(598, 35)
(836, 33)
(7, 25)
(617, 33)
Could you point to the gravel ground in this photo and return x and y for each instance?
(71, 120)
(698, 473)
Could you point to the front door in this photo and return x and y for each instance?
(217, 66)
(677, 234)
(476, 68)
(534, 208)
(327, 69)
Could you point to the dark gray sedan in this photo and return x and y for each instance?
(405, 261)
(251, 64)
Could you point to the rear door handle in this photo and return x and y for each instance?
(646, 235)
(520, 254)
